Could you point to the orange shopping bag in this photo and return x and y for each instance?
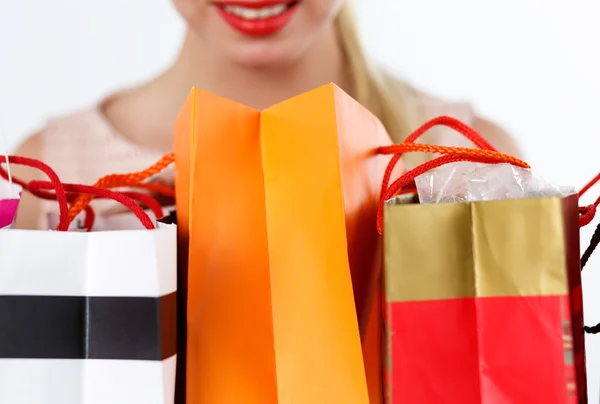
(277, 208)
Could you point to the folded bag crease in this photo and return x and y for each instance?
(289, 241)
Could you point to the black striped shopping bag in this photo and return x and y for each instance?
(88, 317)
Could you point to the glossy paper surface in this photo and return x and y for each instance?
(482, 300)
(88, 318)
(9, 202)
(8, 211)
(272, 202)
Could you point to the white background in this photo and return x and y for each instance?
(531, 65)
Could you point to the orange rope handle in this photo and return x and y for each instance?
(484, 153)
(121, 180)
(398, 186)
(467, 132)
(452, 123)
(159, 189)
(461, 152)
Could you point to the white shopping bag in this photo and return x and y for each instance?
(88, 318)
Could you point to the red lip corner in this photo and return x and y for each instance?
(257, 18)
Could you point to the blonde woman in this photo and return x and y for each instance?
(256, 52)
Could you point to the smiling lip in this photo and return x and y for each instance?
(257, 18)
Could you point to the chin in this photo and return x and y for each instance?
(256, 56)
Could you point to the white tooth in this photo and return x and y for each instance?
(254, 14)
(264, 13)
(270, 12)
(250, 14)
(279, 9)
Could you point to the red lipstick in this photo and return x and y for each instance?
(257, 18)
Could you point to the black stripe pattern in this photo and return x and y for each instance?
(78, 327)
(182, 278)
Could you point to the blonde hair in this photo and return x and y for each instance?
(390, 100)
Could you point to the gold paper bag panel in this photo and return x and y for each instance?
(479, 249)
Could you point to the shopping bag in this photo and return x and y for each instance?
(276, 207)
(87, 317)
(9, 202)
(483, 300)
(10, 195)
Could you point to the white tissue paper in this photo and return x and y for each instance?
(471, 182)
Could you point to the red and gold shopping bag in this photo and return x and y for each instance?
(483, 300)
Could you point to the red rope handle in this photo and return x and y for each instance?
(446, 121)
(410, 176)
(81, 199)
(54, 183)
(142, 198)
(146, 200)
(103, 193)
(90, 216)
(89, 212)
(485, 154)
(589, 185)
(588, 212)
(455, 124)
